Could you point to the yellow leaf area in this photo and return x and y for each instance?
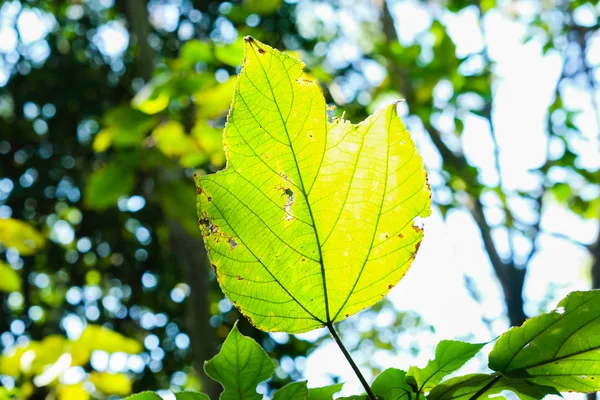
(46, 360)
(203, 145)
(10, 281)
(312, 220)
(20, 236)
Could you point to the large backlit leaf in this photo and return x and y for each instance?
(312, 221)
(21, 236)
(450, 355)
(239, 367)
(487, 386)
(559, 349)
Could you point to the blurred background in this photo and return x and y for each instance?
(107, 108)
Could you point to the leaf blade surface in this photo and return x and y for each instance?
(311, 221)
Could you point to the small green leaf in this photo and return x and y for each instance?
(292, 391)
(144, 396)
(450, 355)
(312, 220)
(191, 396)
(107, 184)
(391, 385)
(325, 392)
(488, 386)
(559, 349)
(10, 281)
(239, 367)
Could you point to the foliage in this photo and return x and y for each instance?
(242, 364)
(44, 361)
(557, 351)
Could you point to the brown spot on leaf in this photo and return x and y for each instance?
(209, 199)
(347, 315)
(261, 51)
(401, 236)
(239, 278)
(390, 286)
(214, 267)
(304, 260)
(417, 246)
(248, 39)
(417, 229)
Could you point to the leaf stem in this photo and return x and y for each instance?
(360, 376)
(486, 387)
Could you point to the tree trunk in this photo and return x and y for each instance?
(193, 262)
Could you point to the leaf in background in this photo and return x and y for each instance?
(312, 221)
(10, 280)
(171, 139)
(214, 101)
(391, 385)
(230, 54)
(107, 184)
(239, 367)
(195, 51)
(127, 126)
(144, 396)
(107, 383)
(191, 396)
(154, 97)
(559, 349)
(292, 391)
(450, 355)
(97, 337)
(21, 236)
(325, 392)
(72, 392)
(488, 387)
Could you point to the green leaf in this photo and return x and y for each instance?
(391, 385)
(21, 236)
(292, 391)
(107, 184)
(486, 386)
(195, 51)
(450, 355)
(11, 281)
(144, 396)
(559, 349)
(325, 392)
(191, 396)
(312, 221)
(239, 367)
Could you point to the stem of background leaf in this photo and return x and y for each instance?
(360, 376)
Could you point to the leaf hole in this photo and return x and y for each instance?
(232, 243)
